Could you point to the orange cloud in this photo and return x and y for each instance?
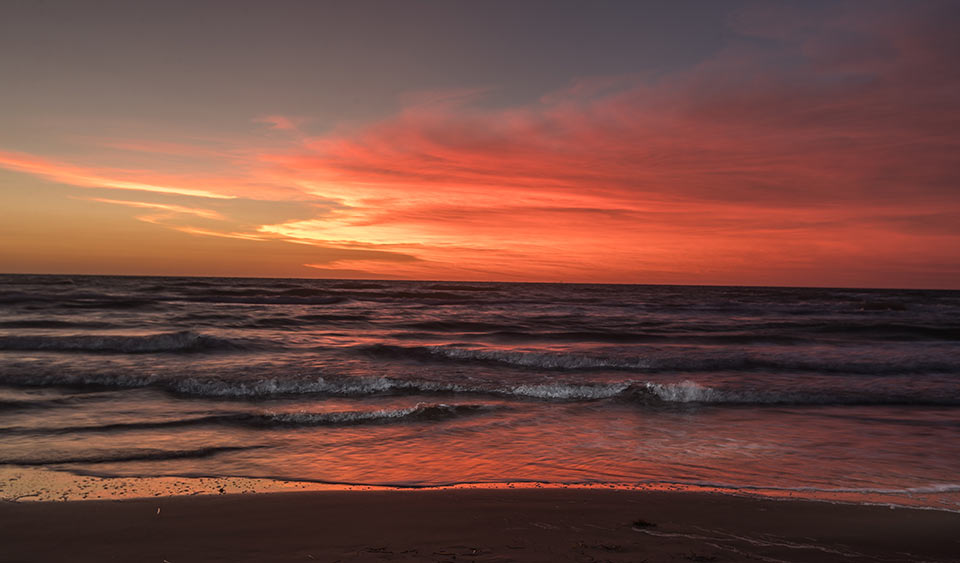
(85, 177)
(828, 163)
(827, 159)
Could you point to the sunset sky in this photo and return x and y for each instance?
(757, 143)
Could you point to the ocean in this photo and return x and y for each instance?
(837, 394)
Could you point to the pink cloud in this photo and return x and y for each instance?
(742, 159)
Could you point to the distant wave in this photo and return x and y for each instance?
(358, 285)
(742, 333)
(860, 328)
(215, 319)
(25, 404)
(454, 325)
(107, 303)
(463, 287)
(184, 341)
(54, 323)
(322, 296)
(659, 362)
(270, 299)
(618, 336)
(27, 279)
(304, 320)
(77, 300)
(542, 360)
(415, 295)
(122, 456)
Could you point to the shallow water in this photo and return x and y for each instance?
(813, 391)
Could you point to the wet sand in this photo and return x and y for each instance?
(472, 525)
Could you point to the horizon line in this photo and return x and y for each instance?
(753, 286)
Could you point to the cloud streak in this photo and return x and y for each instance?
(169, 208)
(85, 177)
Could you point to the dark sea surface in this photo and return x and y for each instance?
(823, 393)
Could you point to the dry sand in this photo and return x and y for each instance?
(472, 525)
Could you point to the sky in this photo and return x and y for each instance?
(685, 142)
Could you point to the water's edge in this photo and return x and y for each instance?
(30, 484)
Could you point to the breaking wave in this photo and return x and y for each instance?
(421, 411)
(639, 392)
(416, 413)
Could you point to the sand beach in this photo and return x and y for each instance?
(472, 525)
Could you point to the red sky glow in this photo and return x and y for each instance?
(812, 147)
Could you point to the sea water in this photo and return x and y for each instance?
(815, 393)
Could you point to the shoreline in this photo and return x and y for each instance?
(523, 524)
(32, 484)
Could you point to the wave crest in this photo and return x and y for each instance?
(420, 411)
(645, 393)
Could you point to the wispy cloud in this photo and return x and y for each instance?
(170, 208)
(92, 178)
